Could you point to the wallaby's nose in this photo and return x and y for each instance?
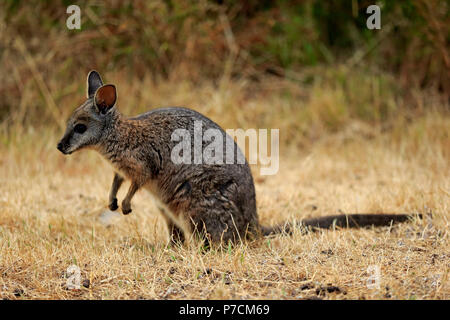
(60, 147)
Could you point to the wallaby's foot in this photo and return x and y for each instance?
(126, 207)
(126, 203)
(113, 205)
(126, 211)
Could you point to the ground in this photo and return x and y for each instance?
(53, 216)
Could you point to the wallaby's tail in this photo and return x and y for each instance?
(356, 220)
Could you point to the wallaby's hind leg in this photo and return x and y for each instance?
(117, 182)
(219, 222)
(220, 214)
(126, 203)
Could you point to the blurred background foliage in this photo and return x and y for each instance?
(312, 47)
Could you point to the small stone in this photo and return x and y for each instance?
(18, 292)
(307, 286)
(328, 252)
(86, 283)
(329, 289)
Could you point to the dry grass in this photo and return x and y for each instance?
(52, 205)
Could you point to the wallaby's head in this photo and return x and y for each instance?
(87, 125)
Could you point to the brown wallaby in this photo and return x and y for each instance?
(215, 200)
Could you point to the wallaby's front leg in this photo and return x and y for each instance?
(176, 234)
(126, 203)
(117, 182)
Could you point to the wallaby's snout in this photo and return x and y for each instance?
(68, 141)
(63, 145)
(60, 147)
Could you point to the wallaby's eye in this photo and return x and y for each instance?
(80, 128)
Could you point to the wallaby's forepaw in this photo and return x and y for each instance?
(126, 211)
(113, 205)
(126, 208)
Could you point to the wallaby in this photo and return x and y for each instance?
(216, 201)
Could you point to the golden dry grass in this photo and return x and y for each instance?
(52, 206)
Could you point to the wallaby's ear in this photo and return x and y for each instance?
(105, 98)
(94, 81)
